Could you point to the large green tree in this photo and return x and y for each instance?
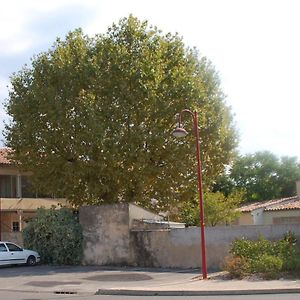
(262, 175)
(92, 117)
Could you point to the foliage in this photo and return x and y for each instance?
(268, 265)
(262, 175)
(56, 234)
(218, 209)
(238, 267)
(92, 117)
(252, 249)
(263, 256)
(293, 264)
(290, 237)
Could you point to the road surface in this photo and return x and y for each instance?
(4, 295)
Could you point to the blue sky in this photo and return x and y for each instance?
(253, 44)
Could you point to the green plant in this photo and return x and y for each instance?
(268, 265)
(252, 249)
(290, 237)
(265, 257)
(56, 234)
(292, 262)
(285, 250)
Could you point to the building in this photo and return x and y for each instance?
(272, 212)
(18, 201)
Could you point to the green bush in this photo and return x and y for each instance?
(292, 264)
(265, 257)
(290, 237)
(56, 234)
(286, 251)
(252, 249)
(268, 265)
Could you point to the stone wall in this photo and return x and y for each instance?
(110, 240)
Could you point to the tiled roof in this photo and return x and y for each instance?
(4, 156)
(292, 203)
(271, 205)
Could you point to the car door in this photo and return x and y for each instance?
(17, 255)
(4, 254)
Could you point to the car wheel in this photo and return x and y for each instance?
(31, 261)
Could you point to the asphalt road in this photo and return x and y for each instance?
(50, 296)
(45, 282)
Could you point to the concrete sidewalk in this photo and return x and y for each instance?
(133, 281)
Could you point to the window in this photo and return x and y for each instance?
(15, 226)
(3, 248)
(13, 247)
(8, 186)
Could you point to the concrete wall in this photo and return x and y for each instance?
(175, 248)
(138, 213)
(109, 240)
(105, 234)
(180, 248)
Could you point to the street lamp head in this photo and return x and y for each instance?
(179, 132)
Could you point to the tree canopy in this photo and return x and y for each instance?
(218, 208)
(92, 117)
(262, 176)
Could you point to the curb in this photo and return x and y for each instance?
(125, 292)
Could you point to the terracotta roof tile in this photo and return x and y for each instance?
(293, 203)
(270, 205)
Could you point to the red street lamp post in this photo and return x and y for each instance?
(181, 132)
(0, 221)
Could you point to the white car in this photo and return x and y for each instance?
(11, 254)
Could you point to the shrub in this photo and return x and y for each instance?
(292, 264)
(290, 237)
(286, 251)
(252, 249)
(268, 265)
(263, 256)
(238, 267)
(56, 234)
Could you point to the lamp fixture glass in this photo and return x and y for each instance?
(179, 132)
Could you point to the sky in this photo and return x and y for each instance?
(253, 44)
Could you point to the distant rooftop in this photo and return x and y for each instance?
(272, 205)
